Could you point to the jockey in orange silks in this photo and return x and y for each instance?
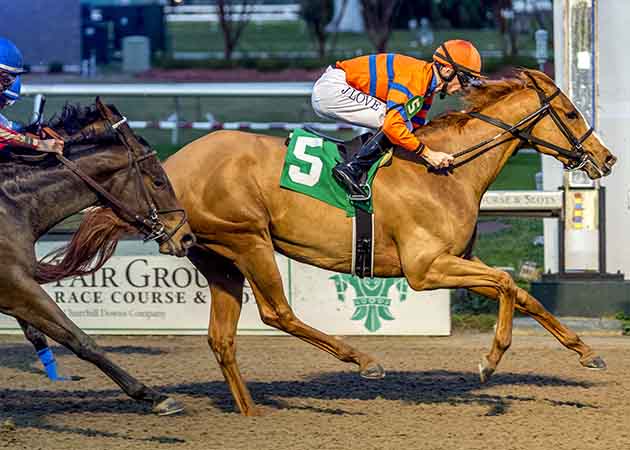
(392, 93)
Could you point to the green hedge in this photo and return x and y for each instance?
(625, 323)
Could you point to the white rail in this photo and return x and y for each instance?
(255, 13)
(272, 89)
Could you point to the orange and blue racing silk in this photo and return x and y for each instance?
(404, 83)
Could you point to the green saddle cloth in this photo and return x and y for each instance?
(308, 170)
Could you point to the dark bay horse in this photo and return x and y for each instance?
(103, 163)
(228, 182)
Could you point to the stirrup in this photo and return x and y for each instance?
(361, 198)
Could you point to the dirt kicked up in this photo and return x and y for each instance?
(540, 398)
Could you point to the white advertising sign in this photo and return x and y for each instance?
(152, 294)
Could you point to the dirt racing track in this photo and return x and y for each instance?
(541, 398)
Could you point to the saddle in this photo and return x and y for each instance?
(347, 149)
(362, 220)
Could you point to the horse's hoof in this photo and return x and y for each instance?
(485, 372)
(7, 425)
(167, 407)
(374, 371)
(594, 363)
(253, 412)
(70, 378)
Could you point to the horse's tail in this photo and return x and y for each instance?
(91, 246)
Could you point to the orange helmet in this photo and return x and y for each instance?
(460, 55)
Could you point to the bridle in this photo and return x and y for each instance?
(150, 224)
(576, 156)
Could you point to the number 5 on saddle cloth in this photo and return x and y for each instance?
(307, 169)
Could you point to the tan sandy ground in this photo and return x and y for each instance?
(431, 399)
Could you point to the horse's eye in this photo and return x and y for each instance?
(572, 115)
(159, 183)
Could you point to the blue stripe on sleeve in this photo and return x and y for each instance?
(401, 88)
(391, 104)
(401, 110)
(372, 65)
(403, 114)
(390, 68)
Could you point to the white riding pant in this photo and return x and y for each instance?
(333, 98)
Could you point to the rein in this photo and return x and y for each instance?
(576, 155)
(150, 225)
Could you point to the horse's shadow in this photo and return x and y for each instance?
(33, 407)
(425, 387)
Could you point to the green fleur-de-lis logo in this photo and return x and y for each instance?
(371, 299)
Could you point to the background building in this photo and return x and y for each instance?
(46, 35)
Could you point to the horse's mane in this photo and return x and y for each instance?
(73, 118)
(481, 96)
(69, 121)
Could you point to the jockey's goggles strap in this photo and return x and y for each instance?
(456, 66)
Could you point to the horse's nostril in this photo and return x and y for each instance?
(188, 240)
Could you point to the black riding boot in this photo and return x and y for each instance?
(349, 174)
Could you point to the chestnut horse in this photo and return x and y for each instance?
(425, 220)
(105, 163)
(228, 182)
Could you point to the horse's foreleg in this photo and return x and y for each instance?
(226, 289)
(259, 266)
(529, 305)
(31, 304)
(448, 271)
(224, 313)
(567, 337)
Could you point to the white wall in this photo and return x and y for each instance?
(613, 112)
(552, 169)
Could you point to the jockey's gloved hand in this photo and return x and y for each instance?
(439, 160)
(50, 145)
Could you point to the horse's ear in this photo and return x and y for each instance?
(110, 113)
(103, 109)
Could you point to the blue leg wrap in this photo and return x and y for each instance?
(50, 364)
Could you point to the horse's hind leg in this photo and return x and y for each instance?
(258, 264)
(33, 335)
(45, 354)
(30, 303)
(226, 288)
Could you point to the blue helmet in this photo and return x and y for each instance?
(12, 94)
(10, 57)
